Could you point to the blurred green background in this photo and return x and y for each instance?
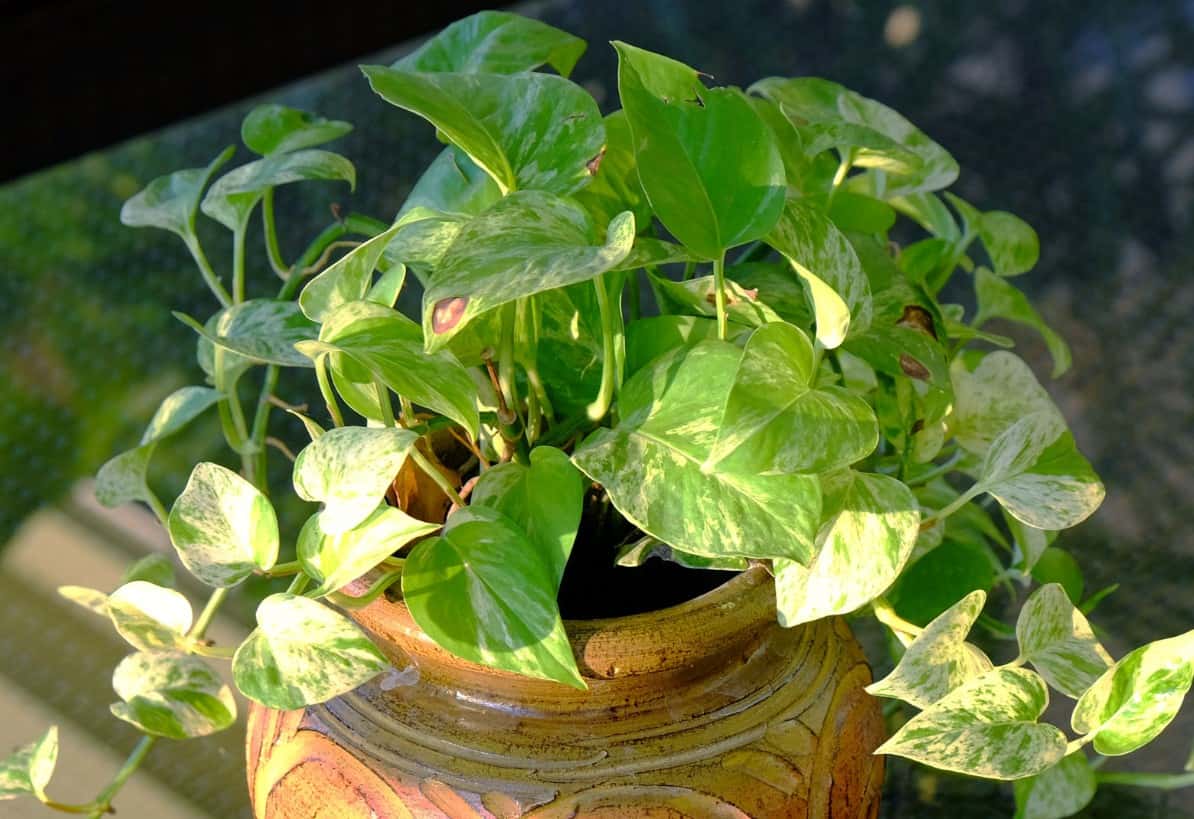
(1078, 116)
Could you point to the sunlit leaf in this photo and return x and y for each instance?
(170, 202)
(172, 696)
(939, 660)
(990, 397)
(349, 277)
(230, 201)
(485, 592)
(261, 331)
(223, 528)
(985, 728)
(1056, 638)
(276, 129)
(333, 561)
(698, 296)
(28, 769)
(496, 42)
(348, 469)
(302, 653)
(93, 600)
(150, 617)
(1132, 702)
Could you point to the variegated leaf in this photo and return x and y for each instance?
(223, 528)
(990, 397)
(1133, 701)
(645, 548)
(172, 695)
(1057, 792)
(496, 42)
(335, 560)
(986, 728)
(28, 769)
(777, 422)
(1056, 638)
(302, 653)
(348, 278)
(653, 466)
(259, 331)
(170, 202)
(150, 617)
(939, 660)
(93, 600)
(871, 524)
(231, 200)
(348, 470)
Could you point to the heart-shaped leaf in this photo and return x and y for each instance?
(870, 527)
(484, 591)
(810, 100)
(496, 42)
(1011, 242)
(1057, 792)
(698, 296)
(172, 696)
(990, 397)
(348, 470)
(231, 200)
(302, 653)
(529, 242)
(939, 660)
(527, 131)
(333, 561)
(122, 479)
(149, 617)
(777, 422)
(366, 340)
(708, 164)
(28, 769)
(170, 202)
(1036, 472)
(1056, 638)
(260, 331)
(1000, 299)
(986, 728)
(671, 412)
(276, 129)
(153, 568)
(223, 528)
(543, 499)
(824, 259)
(1132, 702)
(349, 277)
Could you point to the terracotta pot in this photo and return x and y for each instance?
(707, 709)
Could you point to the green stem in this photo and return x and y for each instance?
(271, 234)
(375, 590)
(843, 168)
(431, 472)
(103, 803)
(325, 388)
(352, 223)
(65, 808)
(941, 469)
(383, 402)
(238, 264)
(284, 569)
(298, 584)
(689, 269)
(634, 307)
(209, 275)
(158, 509)
(209, 611)
(719, 291)
(261, 427)
(958, 503)
(609, 363)
(1164, 782)
(885, 613)
(506, 379)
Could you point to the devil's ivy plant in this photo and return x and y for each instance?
(801, 398)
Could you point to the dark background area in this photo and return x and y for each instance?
(1078, 116)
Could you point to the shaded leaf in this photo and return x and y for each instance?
(276, 129)
(453, 184)
(649, 338)
(999, 298)
(349, 277)
(645, 548)
(93, 600)
(615, 187)
(172, 696)
(153, 568)
(1057, 792)
(950, 570)
(698, 296)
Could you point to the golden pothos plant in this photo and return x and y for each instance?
(798, 396)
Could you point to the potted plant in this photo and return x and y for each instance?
(801, 424)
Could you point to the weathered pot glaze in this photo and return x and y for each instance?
(707, 709)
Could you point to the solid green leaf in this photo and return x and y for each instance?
(1132, 702)
(261, 331)
(529, 242)
(150, 617)
(708, 164)
(1029, 541)
(28, 769)
(814, 101)
(223, 528)
(939, 660)
(366, 340)
(302, 653)
(333, 561)
(349, 469)
(638, 552)
(153, 568)
(950, 570)
(777, 422)
(1011, 242)
(653, 466)
(615, 187)
(860, 213)
(122, 479)
(170, 202)
(1035, 471)
(867, 534)
(453, 184)
(388, 287)
(649, 338)
(172, 696)
(1056, 638)
(544, 500)
(566, 344)
(928, 211)
(276, 129)
(230, 201)
(496, 42)
(527, 131)
(985, 728)
(483, 591)
(1000, 299)
(1057, 792)
(1058, 566)
(990, 397)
